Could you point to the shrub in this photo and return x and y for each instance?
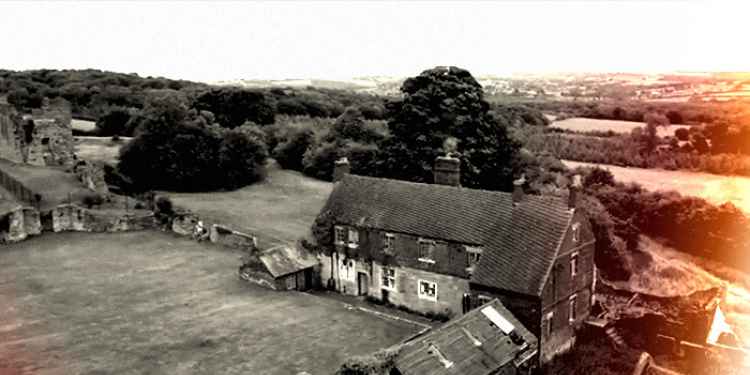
(378, 363)
(92, 199)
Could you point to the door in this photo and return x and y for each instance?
(291, 282)
(362, 284)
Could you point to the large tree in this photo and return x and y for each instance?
(442, 103)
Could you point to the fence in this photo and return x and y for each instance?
(18, 190)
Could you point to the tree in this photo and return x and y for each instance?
(234, 106)
(650, 137)
(114, 122)
(682, 134)
(437, 104)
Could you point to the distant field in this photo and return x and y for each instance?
(580, 124)
(99, 148)
(83, 125)
(280, 209)
(153, 303)
(714, 188)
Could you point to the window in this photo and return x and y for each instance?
(575, 228)
(339, 235)
(426, 247)
(572, 308)
(472, 255)
(573, 264)
(353, 237)
(389, 243)
(548, 323)
(347, 270)
(389, 278)
(427, 290)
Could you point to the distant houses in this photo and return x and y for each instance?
(443, 249)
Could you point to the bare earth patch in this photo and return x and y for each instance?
(149, 302)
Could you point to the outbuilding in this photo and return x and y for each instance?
(280, 268)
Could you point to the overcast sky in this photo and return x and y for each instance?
(335, 40)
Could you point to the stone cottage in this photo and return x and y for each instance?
(443, 249)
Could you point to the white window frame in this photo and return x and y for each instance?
(473, 254)
(389, 243)
(391, 279)
(353, 237)
(572, 308)
(574, 264)
(432, 244)
(576, 232)
(426, 296)
(548, 319)
(339, 240)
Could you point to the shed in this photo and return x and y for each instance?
(487, 340)
(281, 268)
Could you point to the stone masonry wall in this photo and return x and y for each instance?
(70, 217)
(23, 222)
(10, 135)
(225, 236)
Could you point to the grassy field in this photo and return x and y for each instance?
(152, 303)
(83, 125)
(580, 124)
(99, 148)
(55, 185)
(717, 189)
(280, 209)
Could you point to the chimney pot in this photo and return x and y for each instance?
(518, 189)
(574, 191)
(341, 168)
(447, 171)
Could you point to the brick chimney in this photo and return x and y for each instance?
(518, 189)
(341, 168)
(574, 191)
(447, 171)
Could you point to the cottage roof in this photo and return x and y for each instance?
(471, 344)
(283, 260)
(520, 240)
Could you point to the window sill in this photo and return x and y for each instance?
(425, 260)
(427, 298)
(389, 289)
(352, 245)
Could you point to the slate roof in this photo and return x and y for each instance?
(284, 260)
(497, 349)
(520, 241)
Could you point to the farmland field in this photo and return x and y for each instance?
(717, 189)
(99, 148)
(280, 209)
(580, 124)
(153, 303)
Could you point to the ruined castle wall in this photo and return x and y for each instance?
(51, 143)
(22, 223)
(11, 146)
(71, 217)
(225, 236)
(92, 174)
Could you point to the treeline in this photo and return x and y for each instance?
(689, 224)
(693, 152)
(113, 98)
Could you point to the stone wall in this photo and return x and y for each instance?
(11, 136)
(225, 236)
(91, 175)
(22, 222)
(44, 138)
(70, 217)
(51, 143)
(184, 222)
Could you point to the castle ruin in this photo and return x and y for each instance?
(43, 138)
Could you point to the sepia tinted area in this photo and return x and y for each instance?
(374, 188)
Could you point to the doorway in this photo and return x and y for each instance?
(362, 284)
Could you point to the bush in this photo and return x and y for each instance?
(378, 363)
(92, 199)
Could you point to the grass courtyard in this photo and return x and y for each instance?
(153, 303)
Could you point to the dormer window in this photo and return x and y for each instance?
(353, 237)
(473, 254)
(426, 249)
(389, 243)
(339, 233)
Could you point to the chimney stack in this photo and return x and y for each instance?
(518, 189)
(341, 168)
(447, 171)
(574, 192)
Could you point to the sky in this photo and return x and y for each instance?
(213, 41)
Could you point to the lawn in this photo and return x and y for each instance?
(280, 209)
(99, 148)
(717, 189)
(152, 303)
(54, 184)
(581, 124)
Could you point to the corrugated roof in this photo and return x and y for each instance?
(520, 241)
(284, 260)
(456, 343)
